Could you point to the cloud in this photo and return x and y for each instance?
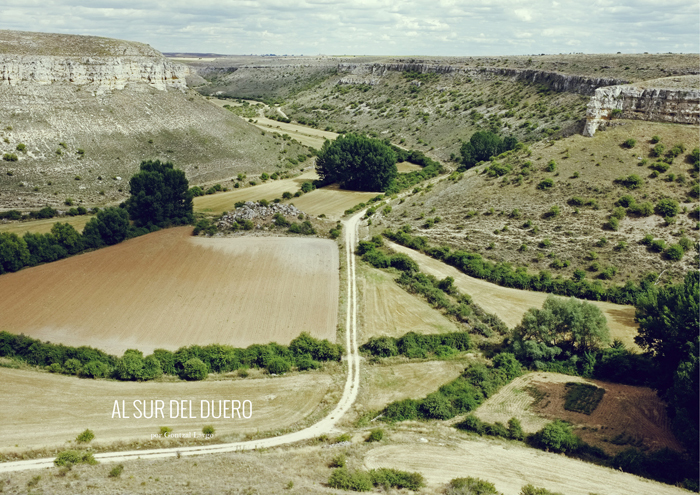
(442, 27)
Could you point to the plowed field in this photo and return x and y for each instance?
(63, 406)
(169, 289)
(632, 414)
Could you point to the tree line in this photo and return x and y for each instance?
(189, 363)
(159, 198)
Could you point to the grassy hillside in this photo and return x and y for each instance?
(500, 210)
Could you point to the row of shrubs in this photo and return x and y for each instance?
(462, 395)
(44, 213)
(190, 363)
(665, 465)
(364, 481)
(503, 273)
(110, 226)
(414, 345)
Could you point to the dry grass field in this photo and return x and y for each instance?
(44, 226)
(331, 201)
(626, 412)
(226, 201)
(388, 310)
(386, 384)
(63, 406)
(404, 167)
(169, 289)
(509, 467)
(511, 304)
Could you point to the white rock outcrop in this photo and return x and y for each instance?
(681, 106)
(103, 73)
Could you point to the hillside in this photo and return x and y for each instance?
(501, 210)
(88, 110)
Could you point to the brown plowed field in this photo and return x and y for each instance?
(272, 189)
(169, 289)
(636, 413)
(331, 201)
(510, 467)
(511, 304)
(388, 310)
(63, 406)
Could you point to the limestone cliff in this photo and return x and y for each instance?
(675, 100)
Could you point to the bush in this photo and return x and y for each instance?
(436, 406)
(551, 166)
(515, 429)
(557, 436)
(394, 478)
(657, 245)
(612, 224)
(116, 471)
(470, 486)
(546, 184)
(85, 437)
(642, 210)
(208, 430)
(403, 410)
(278, 366)
(195, 369)
(72, 457)
(658, 150)
(343, 479)
(660, 167)
(666, 208)
(338, 461)
(533, 490)
(9, 157)
(630, 143)
(619, 213)
(630, 182)
(674, 252)
(376, 435)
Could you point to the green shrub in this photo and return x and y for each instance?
(195, 369)
(657, 245)
(546, 184)
(394, 478)
(660, 167)
(632, 181)
(376, 435)
(658, 150)
(343, 479)
(116, 471)
(642, 209)
(630, 143)
(674, 252)
(403, 410)
(9, 157)
(655, 139)
(551, 166)
(612, 224)
(21, 147)
(553, 212)
(436, 406)
(470, 486)
(666, 208)
(208, 430)
(278, 366)
(515, 429)
(619, 212)
(532, 490)
(85, 437)
(557, 436)
(72, 457)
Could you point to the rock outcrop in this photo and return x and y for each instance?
(370, 73)
(659, 104)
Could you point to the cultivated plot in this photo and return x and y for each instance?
(43, 226)
(388, 310)
(511, 304)
(331, 201)
(169, 289)
(510, 467)
(63, 406)
(226, 201)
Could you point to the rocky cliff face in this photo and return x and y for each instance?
(675, 105)
(104, 73)
(370, 73)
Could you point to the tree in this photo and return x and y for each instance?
(67, 237)
(14, 253)
(357, 162)
(483, 145)
(561, 325)
(110, 226)
(159, 196)
(668, 332)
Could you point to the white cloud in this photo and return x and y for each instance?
(442, 27)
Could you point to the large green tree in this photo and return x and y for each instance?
(483, 145)
(669, 327)
(159, 196)
(563, 327)
(357, 162)
(110, 226)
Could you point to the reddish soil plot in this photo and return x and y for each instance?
(169, 289)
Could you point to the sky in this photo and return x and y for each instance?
(373, 27)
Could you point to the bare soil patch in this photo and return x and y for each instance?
(44, 226)
(511, 304)
(635, 415)
(510, 467)
(63, 406)
(388, 310)
(169, 289)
